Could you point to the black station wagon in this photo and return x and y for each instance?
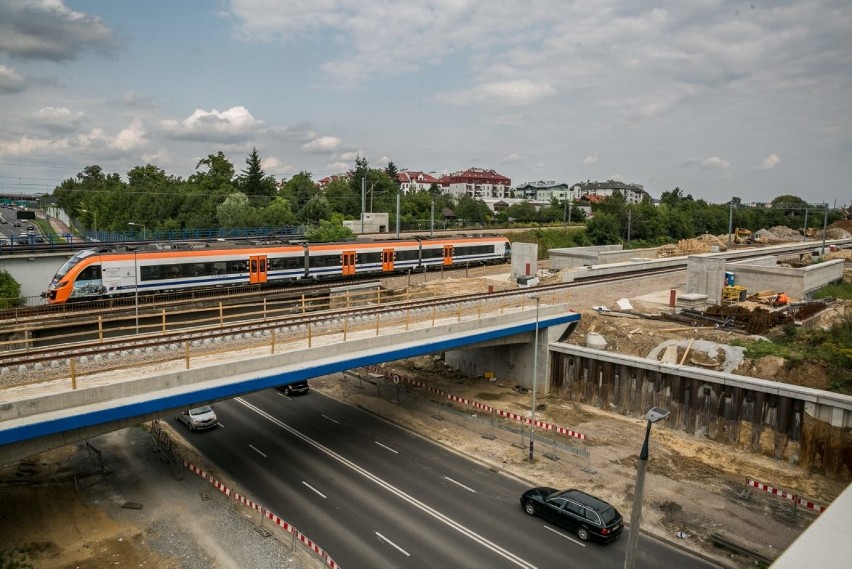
(574, 510)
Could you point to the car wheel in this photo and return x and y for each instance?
(529, 508)
(288, 391)
(583, 534)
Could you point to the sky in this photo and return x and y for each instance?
(718, 98)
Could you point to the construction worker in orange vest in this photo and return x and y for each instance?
(782, 299)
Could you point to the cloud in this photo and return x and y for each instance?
(49, 30)
(273, 166)
(230, 126)
(591, 159)
(768, 163)
(521, 92)
(715, 163)
(350, 156)
(322, 144)
(134, 100)
(513, 157)
(57, 119)
(11, 81)
(339, 167)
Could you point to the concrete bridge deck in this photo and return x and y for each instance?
(40, 416)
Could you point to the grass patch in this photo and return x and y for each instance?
(842, 290)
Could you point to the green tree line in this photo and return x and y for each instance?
(217, 196)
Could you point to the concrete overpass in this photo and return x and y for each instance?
(40, 416)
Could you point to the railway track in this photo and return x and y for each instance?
(315, 316)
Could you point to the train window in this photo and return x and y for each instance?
(409, 255)
(152, 273)
(283, 263)
(370, 257)
(325, 261)
(433, 253)
(90, 273)
(237, 266)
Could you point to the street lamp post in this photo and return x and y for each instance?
(136, 287)
(655, 415)
(535, 378)
(142, 225)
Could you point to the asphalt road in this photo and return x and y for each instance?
(374, 495)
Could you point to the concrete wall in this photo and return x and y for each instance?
(524, 259)
(34, 272)
(796, 282)
(706, 275)
(608, 257)
(515, 360)
(577, 256)
(802, 425)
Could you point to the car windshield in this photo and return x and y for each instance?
(200, 410)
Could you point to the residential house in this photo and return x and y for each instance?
(477, 183)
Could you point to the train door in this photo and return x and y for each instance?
(348, 263)
(387, 260)
(257, 269)
(448, 254)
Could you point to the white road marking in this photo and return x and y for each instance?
(469, 489)
(332, 420)
(506, 554)
(386, 447)
(221, 425)
(257, 451)
(559, 533)
(314, 489)
(386, 540)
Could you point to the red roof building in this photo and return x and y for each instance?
(415, 181)
(477, 183)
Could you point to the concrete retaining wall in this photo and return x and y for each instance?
(796, 282)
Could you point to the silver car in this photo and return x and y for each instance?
(199, 418)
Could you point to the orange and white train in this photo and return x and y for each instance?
(95, 274)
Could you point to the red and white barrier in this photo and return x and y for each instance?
(305, 540)
(396, 378)
(797, 500)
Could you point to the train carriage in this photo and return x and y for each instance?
(92, 274)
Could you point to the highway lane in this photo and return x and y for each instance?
(374, 495)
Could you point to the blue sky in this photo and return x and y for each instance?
(719, 98)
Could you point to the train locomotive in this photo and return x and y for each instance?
(94, 274)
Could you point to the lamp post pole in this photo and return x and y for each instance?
(136, 288)
(535, 378)
(654, 415)
(142, 225)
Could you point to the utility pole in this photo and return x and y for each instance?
(731, 222)
(363, 201)
(397, 215)
(432, 219)
(629, 219)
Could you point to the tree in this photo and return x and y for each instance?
(236, 211)
(603, 229)
(393, 173)
(299, 190)
(523, 211)
(277, 214)
(254, 183)
(330, 230)
(10, 291)
(316, 210)
(342, 199)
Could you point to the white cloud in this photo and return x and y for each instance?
(715, 163)
(349, 156)
(274, 166)
(339, 167)
(27, 145)
(230, 126)
(58, 119)
(513, 157)
(49, 30)
(11, 81)
(136, 100)
(768, 163)
(591, 159)
(322, 144)
(520, 92)
(129, 138)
